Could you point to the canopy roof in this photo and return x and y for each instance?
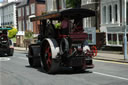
(5, 28)
(69, 13)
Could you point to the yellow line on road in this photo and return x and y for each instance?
(112, 62)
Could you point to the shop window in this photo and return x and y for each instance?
(112, 39)
(109, 39)
(120, 39)
(89, 38)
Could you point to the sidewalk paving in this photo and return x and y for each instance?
(20, 48)
(115, 56)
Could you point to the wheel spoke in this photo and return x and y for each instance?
(48, 56)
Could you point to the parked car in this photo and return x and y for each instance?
(6, 45)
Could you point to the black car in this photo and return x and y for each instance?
(6, 45)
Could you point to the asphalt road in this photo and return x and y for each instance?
(16, 71)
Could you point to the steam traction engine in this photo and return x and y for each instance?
(63, 45)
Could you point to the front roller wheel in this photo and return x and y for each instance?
(48, 56)
(34, 62)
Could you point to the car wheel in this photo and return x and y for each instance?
(10, 53)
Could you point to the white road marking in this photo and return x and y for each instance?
(108, 75)
(4, 59)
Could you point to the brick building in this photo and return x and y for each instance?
(25, 11)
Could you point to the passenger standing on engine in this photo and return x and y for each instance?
(78, 25)
(65, 26)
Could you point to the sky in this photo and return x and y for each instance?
(1, 0)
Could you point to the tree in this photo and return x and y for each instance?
(28, 34)
(12, 32)
(73, 3)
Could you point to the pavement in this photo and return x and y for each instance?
(20, 48)
(116, 56)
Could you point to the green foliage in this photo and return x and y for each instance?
(12, 32)
(14, 40)
(57, 25)
(73, 3)
(28, 34)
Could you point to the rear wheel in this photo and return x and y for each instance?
(48, 61)
(10, 53)
(48, 57)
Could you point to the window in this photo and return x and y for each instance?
(27, 10)
(84, 2)
(112, 39)
(23, 11)
(19, 25)
(27, 22)
(64, 3)
(31, 23)
(60, 4)
(104, 14)
(116, 12)
(127, 13)
(110, 13)
(33, 8)
(54, 6)
(89, 38)
(120, 39)
(23, 26)
(19, 12)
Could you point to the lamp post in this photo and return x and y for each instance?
(125, 32)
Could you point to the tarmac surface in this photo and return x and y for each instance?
(116, 56)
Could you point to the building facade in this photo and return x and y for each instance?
(112, 21)
(8, 14)
(25, 11)
(92, 5)
(8, 1)
(91, 24)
